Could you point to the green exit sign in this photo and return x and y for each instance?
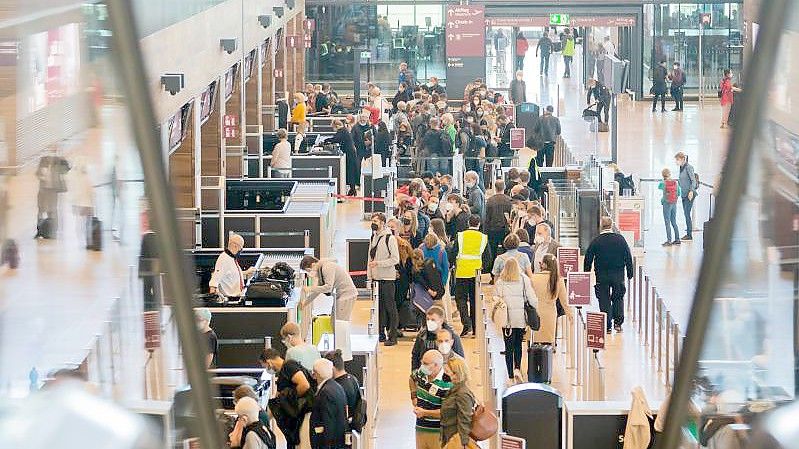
(559, 19)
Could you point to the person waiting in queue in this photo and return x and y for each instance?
(228, 277)
(291, 405)
(356, 413)
(203, 317)
(328, 422)
(383, 259)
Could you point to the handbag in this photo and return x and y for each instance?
(530, 313)
(484, 423)
(499, 314)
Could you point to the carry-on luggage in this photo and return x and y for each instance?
(44, 228)
(407, 316)
(10, 254)
(539, 363)
(322, 324)
(95, 241)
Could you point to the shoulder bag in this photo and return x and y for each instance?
(530, 313)
(484, 423)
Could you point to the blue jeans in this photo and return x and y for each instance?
(687, 205)
(670, 218)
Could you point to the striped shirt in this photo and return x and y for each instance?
(429, 395)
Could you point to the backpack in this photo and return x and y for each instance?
(264, 433)
(625, 182)
(670, 189)
(359, 415)
(499, 314)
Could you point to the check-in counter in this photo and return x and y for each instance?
(598, 424)
(363, 367)
(310, 166)
(306, 219)
(244, 332)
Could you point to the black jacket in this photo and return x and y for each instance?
(459, 223)
(600, 92)
(549, 127)
(383, 145)
(496, 208)
(610, 255)
(430, 278)
(427, 340)
(344, 139)
(328, 422)
(358, 132)
(518, 91)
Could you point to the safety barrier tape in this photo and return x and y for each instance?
(361, 198)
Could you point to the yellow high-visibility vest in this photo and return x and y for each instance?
(471, 244)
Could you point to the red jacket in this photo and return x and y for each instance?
(726, 91)
(521, 47)
(374, 114)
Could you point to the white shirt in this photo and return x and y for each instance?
(227, 277)
(281, 155)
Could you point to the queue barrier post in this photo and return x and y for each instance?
(651, 331)
(642, 324)
(660, 334)
(667, 358)
(640, 295)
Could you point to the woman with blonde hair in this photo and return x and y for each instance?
(514, 289)
(549, 289)
(298, 114)
(410, 228)
(457, 408)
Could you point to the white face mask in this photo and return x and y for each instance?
(470, 184)
(449, 207)
(432, 325)
(432, 207)
(445, 347)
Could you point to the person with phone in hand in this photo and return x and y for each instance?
(688, 183)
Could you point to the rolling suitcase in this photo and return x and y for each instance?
(539, 363)
(44, 228)
(407, 316)
(10, 254)
(95, 242)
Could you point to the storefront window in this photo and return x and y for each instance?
(411, 33)
(672, 33)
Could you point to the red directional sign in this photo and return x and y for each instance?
(595, 329)
(568, 260)
(516, 138)
(579, 288)
(465, 31)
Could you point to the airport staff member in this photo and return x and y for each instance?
(228, 278)
(610, 255)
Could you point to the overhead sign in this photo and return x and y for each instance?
(292, 41)
(516, 138)
(595, 325)
(508, 442)
(559, 19)
(578, 286)
(568, 260)
(152, 330)
(465, 33)
(231, 126)
(603, 21)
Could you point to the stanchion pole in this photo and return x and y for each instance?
(643, 323)
(660, 334)
(640, 294)
(668, 342)
(651, 332)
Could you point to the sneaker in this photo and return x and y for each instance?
(687, 237)
(465, 332)
(617, 328)
(676, 242)
(390, 343)
(666, 243)
(676, 109)
(609, 331)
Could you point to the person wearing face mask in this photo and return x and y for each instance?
(291, 405)
(511, 245)
(359, 136)
(476, 199)
(524, 243)
(677, 78)
(518, 89)
(431, 209)
(543, 244)
(456, 214)
(410, 228)
(470, 247)
(535, 214)
(228, 278)
(328, 421)
(445, 343)
(249, 432)
(383, 259)
(296, 348)
(426, 338)
(343, 137)
(429, 385)
(203, 318)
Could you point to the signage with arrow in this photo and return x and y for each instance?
(465, 32)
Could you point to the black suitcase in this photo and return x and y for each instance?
(95, 242)
(44, 228)
(539, 363)
(407, 316)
